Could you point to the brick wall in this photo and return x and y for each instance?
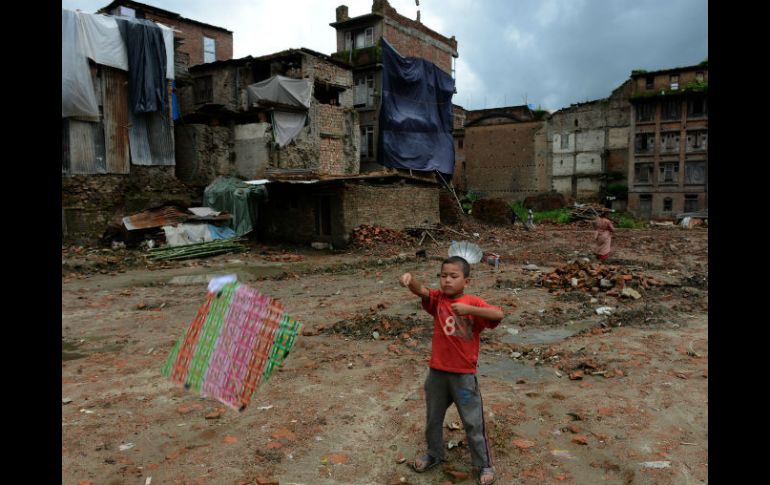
(192, 34)
(458, 117)
(521, 113)
(91, 202)
(327, 72)
(411, 46)
(617, 161)
(506, 160)
(394, 206)
(662, 81)
(332, 160)
(385, 8)
(338, 149)
(203, 153)
(290, 213)
(331, 119)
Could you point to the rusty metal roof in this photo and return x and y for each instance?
(155, 218)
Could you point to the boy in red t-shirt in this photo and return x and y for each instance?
(458, 320)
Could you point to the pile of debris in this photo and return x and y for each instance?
(582, 276)
(578, 367)
(171, 225)
(688, 220)
(367, 235)
(378, 327)
(585, 212)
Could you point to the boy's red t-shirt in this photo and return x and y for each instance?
(455, 337)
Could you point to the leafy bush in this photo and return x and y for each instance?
(625, 220)
(467, 200)
(521, 212)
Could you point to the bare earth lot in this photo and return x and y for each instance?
(346, 405)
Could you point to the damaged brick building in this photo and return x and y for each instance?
(114, 161)
(358, 44)
(588, 149)
(287, 118)
(327, 210)
(668, 161)
(195, 42)
(502, 152)
(224, 132)
(316, 191)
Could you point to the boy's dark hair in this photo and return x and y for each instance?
(460, 262)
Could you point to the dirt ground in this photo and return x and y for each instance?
(346, 405)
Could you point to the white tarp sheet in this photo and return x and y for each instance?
(97, 37)
(168, 41)
(102, 41)
(284, 90)
(287, 126)
(77, 90)
(184, 234)
(281, 89)
(203, 211)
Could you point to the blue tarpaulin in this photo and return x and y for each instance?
(174, 102)
(218, 232)
(415, 115)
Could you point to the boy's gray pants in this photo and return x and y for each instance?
(441, 390)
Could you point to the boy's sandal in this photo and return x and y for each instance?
(487, 472)
(425, 463)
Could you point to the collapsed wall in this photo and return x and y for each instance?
(90, 203)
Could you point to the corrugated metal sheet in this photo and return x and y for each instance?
(155, 218)
(151, 139)
(138, 139)
(65, 146)
(161, 139)
(115, 102)
(84, 154)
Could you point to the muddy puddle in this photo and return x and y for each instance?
(531, 335)
(69, 350)
(78, 349)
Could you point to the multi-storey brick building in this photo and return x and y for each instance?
(588, 149)
(358, 44)
(195, 42)
(668, 169)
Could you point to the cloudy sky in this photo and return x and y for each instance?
(548, 53)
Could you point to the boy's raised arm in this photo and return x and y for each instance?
(414, 286)
(493, 314)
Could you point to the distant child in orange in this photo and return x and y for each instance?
(458, 320)
(603, 235)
